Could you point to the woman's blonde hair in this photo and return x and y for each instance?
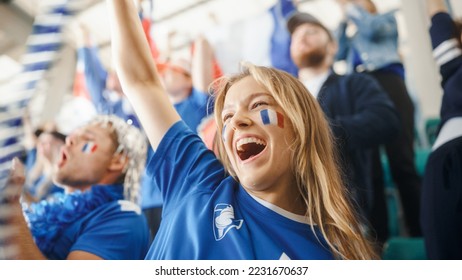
(316, 169)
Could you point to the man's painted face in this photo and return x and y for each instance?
(86, 156)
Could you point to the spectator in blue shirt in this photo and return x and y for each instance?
(97, 218)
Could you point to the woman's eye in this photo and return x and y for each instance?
(258, 104)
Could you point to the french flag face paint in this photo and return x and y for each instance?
(89, 147)
(271, 117)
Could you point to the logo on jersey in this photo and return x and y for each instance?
(284, 257)
(224, 220)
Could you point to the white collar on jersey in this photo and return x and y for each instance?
(282, 212)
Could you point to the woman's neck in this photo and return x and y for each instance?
(287, 198)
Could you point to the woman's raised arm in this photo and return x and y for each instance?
(137, 71)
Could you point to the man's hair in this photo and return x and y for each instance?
(131, 143)
(298, 18)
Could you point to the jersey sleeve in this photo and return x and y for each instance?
(447, 53)
(183, 164)
(446, 47)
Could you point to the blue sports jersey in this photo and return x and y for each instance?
(191, 110)
(150, 194)
(114, 231)
(208, 215)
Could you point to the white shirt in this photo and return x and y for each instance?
(314, 85)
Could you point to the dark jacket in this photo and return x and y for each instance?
(448, 55)
(362, 117)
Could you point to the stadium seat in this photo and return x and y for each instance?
(431, 129)
(402, 248)
(421, 157)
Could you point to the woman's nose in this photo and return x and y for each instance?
(240, 120)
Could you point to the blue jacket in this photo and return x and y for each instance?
(362, 117)
(376, 39)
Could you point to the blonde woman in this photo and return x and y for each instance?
(284, 198)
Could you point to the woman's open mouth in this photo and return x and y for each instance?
(249, 147)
